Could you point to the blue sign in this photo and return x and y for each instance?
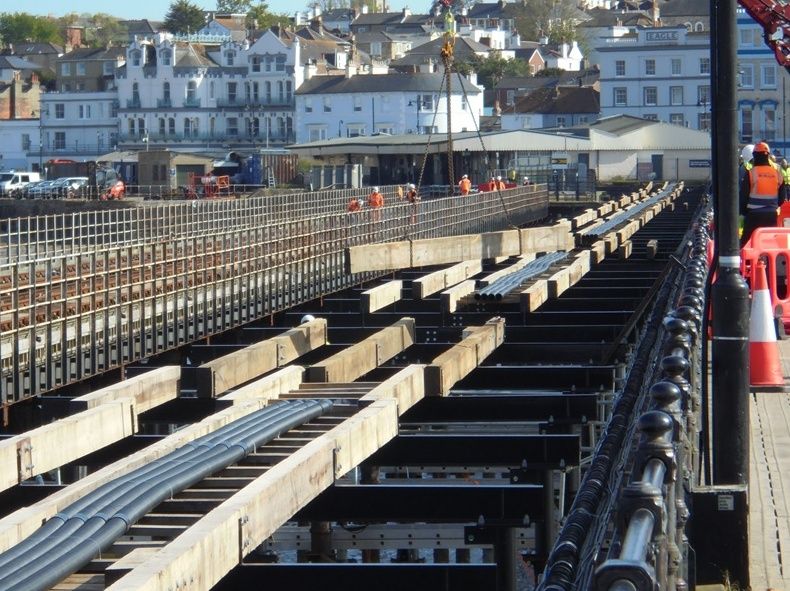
(699, 163)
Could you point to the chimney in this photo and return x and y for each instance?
(656, 21)
(406, 11)
(310, 69)
(351, 69)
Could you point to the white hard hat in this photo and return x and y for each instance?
(376, 189)
(411, 186)
(307, 318)
(746, 153)
(499, 178)
(463, 177)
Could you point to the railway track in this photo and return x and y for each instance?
(487, 471)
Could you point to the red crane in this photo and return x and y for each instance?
(774, 17)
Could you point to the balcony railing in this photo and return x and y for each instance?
(130, 140)
(133, 103)
(259, 103)
(164, 103)
(192, 102)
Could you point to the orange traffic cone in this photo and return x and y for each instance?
(765, 369)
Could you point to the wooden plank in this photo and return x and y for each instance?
(443, 278)
(357, 360)
(201, 556)
(381, 296)
(226, 372)
(65, 440)
(598, 251)
(449, 297)
(21, 523)
(534, 296)
(149, 389)
(626, 249)
(458, 361)
(267, 388)
(379, 257)
(407, 387)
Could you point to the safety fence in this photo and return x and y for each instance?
(113, 287)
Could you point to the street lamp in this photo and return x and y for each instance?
(416, 103)
(339, 123)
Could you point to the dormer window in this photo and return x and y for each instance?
(166, 56)
(256, 63)
(136, 56)
(229, 57)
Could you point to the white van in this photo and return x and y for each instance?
(10, 182)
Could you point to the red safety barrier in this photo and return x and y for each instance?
(783, 220)
(772, 246)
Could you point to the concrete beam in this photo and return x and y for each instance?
(148, 390)
(457, 362)
(21, 523)
(449, 297)
(226, 372)
(357, 360)
(444, 278)
(217, 543)
(267, 388)
(381, 296)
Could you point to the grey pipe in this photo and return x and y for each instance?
(76, 545)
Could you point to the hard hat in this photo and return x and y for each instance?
(746, 153)
(499, 178)
(762, 148)
(307, 318)
(376, 189)
(463, 177)
(411, 186)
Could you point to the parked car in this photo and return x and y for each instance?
(71, 186)
(24, 192)
(41, 190)
(11, 182)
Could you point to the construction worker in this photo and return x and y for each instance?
(413, 198)
(525, 181)
(759, 192)
(354, 205)
(464, 185)
(500, 184)
(376, 202)
(784, 168)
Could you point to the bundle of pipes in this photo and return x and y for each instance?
(72, 538)
(504, 285)
(625, 215)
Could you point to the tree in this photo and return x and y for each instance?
(21, 27)
(555, 20)
(491, 69)
(234, 6)
(184, 17)
(105, 30)
(261, 19)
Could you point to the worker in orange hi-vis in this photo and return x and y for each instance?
(464, 185)
(376, 202)
(354, 204)
(500, 184)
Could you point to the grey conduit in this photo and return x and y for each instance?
(504, 285)
(94, 522)
(623, 216)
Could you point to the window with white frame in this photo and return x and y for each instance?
(651, 96)
(355, 129)
(704, 65)
(316, 132)
(166, 56)
(768, 75)
(426, 102)
(747, 123)
(137, 56)
(620, 97)
(230, 56)
(84, 111)
(255, 63)
(60, 110)
(650, 116)
(510, 97)
(232, 93)
(357, 103)
(769, 123)
(280, 63)
(65, 69)
(675, 95)
(746, 37)
(375, 49)
(81, 69)
(703, 95)
(676, 66)
(232, 126)
(327, 105)
(108, 68)
(747, 76)
(308, 104)
(677, 119)
(619, 68)
(703, 121)
(650, 67)
(25, 141)
(385, 128)
(561, 121)
(60, 140)
(162, 126)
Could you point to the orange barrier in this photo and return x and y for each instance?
(772, 246)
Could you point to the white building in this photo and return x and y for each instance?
(657, 73)
(78, 125)
(189, 97)
(763, 88)
(358, 105)
(19, 139)
(566, 57)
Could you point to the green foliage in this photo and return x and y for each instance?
(21, 27)
(105, 30)
(492, 69)
(261, 19)
(234, 6)
(184, 17)
(536, 18)
(549, 72)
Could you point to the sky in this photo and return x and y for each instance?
(151, 9)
